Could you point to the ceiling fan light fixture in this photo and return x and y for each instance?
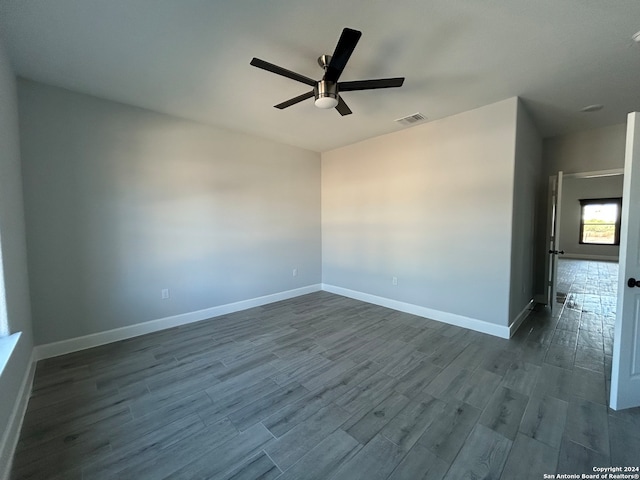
(326, 102)
(326, 94)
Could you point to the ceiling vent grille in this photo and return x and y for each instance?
(411, 119)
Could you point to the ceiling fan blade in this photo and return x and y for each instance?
(370, 84)
(270, 67)
(345, 47)
(294, 100)
(342, 107)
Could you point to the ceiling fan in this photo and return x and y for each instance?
(326, 91)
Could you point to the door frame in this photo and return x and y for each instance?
(549, 227)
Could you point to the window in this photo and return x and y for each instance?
(600, 221)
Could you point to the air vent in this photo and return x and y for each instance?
(411, 119)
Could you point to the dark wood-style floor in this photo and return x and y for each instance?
(325, 387)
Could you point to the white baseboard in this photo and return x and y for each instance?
(580, 256)
(88, 341)
(521, 317)
(10, 437)
(445, 317)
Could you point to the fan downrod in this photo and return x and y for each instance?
(324, 60)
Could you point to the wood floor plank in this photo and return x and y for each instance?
(69, 417)
(560, 356)
(290, 416)
(150, 447)
(521, 376)
(587, 425)
(448, 382)
(409, 424)
(554, 381)
(215, 462)
(483, 455)
(447, 433)
(258, 467)
(577, 459)
(224, 405)
(266, 405)
(446, 352)
(41, 463)
(478, 388)
(402, 361)
(239, 382)
(130, 432)
(545, 419)
(625, 442)
(318, 377)
(39, 443)
(420, 464)
(344, 347)
(589, 385)
(590, 358)
(203, 368)
(366, 424)
(293, 445)
(499, 361)
(323, 460)
(530, 459)
(417, 379)
(504, 412)
(375, 461)
(367, 393)
(298, 367)
(468, 358)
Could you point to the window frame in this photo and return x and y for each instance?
(601, 201)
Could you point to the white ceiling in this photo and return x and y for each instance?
(190, 58)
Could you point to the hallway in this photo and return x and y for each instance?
(589, 314)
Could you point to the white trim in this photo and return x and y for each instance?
(7, 346)
(80, 343)
(583, 256)
(445, 317)
(598, 173)
(524, 313)
(9, 440)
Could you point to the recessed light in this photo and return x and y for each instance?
(592, 108)
(636, 37)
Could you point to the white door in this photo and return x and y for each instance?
(625, 375)
(555, 187)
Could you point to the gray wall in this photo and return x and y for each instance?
(13, 254)
(574, 189)
(528, 164)
(587, 151)
(431, 205)
(122, 202)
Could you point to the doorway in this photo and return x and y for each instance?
(570, 193)
(585, 282)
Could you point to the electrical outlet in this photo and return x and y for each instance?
(295, 272)
(394, 280)
(164, 293)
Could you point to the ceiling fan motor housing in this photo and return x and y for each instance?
(326, 94)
